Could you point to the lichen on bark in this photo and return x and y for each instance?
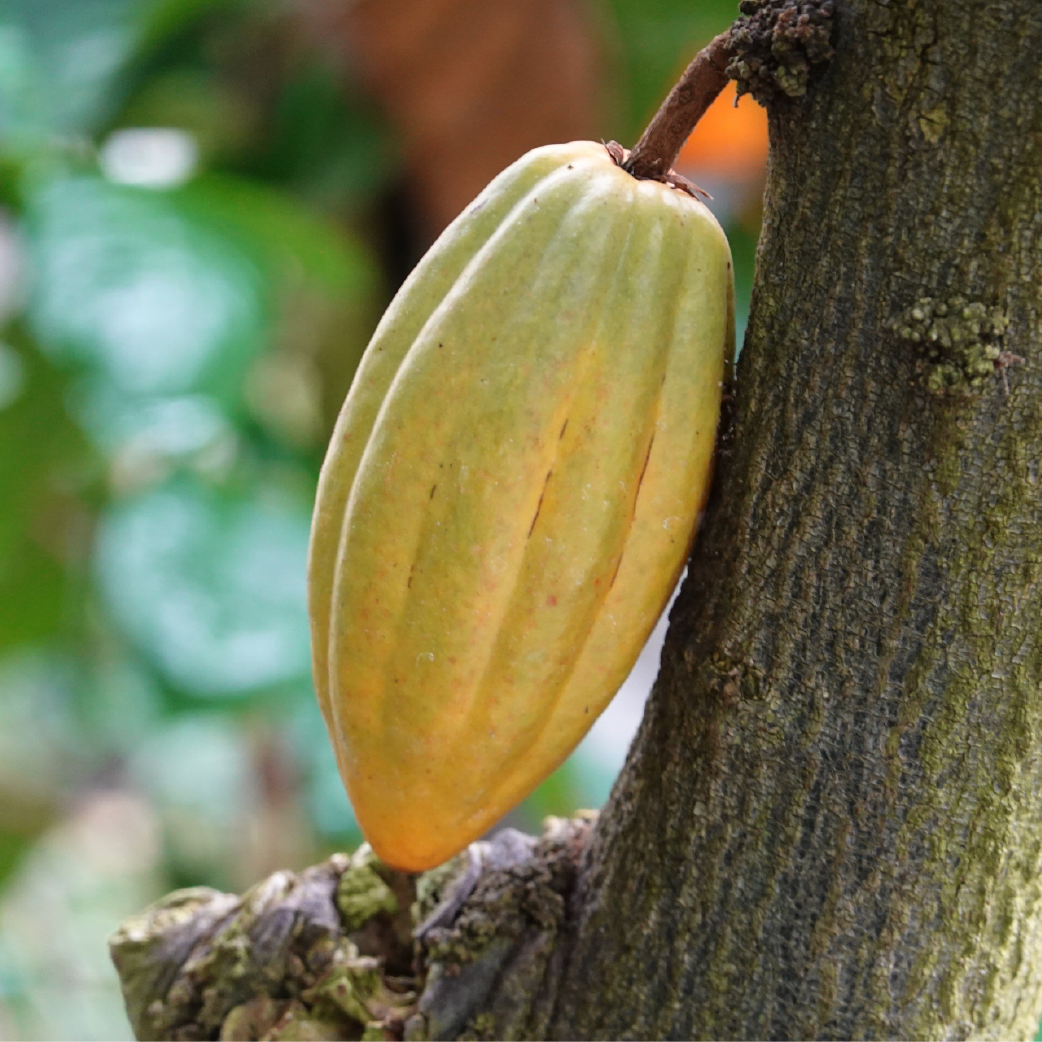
(961, 343)
(351, 949)
(283, 961)
(776, 43)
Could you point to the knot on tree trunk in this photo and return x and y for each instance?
(351, 949)
(775, 44)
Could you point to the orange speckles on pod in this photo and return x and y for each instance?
(512, 489)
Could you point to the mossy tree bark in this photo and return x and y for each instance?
(830, 824)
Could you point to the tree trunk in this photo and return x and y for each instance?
(830, 822)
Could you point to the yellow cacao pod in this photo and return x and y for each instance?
(511, 491)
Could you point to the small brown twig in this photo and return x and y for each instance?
(770, 51)
(655, 153)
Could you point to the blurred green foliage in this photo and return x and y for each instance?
(182, 310)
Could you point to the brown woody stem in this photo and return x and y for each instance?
(655, 153)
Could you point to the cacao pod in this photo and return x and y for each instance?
(511, 491)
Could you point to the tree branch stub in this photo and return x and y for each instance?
(352, 949)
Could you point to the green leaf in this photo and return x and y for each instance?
(40, 448)
(282, 231)
(210, 585)
(131, 286)
(36, 596)
(162, 19)
(60, 59)
(327, 141)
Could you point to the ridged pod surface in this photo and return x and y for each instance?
(511, 491)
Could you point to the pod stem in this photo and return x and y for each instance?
(655, 153)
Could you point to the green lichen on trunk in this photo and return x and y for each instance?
(323, 954)
(830, 824)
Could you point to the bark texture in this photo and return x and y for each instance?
(830, 825)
